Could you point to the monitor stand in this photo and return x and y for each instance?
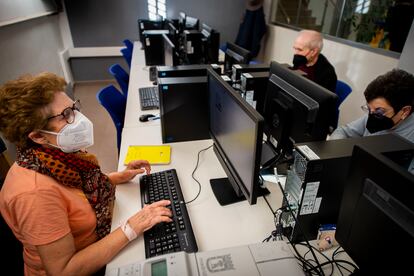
(225, 193)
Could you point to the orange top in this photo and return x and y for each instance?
(39, 211)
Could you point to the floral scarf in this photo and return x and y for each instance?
(77, 170)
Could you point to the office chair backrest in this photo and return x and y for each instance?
(342, 90)
(121, 76)
(127, 54)
(115, 103)
(128, 43)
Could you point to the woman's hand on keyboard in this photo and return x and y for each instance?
(150, 215)
(133, 168)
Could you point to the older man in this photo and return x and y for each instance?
(308, 58)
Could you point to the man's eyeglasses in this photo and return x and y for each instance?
(378, 111)
(68, 113)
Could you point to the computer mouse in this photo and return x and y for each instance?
(145, 117)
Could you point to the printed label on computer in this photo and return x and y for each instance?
(308, 152)
(309, 201)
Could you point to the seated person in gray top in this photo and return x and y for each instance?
(390, 99)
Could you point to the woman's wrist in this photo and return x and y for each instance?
(113, 177)
(128, 231)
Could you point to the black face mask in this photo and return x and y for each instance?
(378, 122)
(299, 60)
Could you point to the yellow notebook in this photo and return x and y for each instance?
(154, 154)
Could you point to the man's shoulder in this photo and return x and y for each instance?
(323, 61)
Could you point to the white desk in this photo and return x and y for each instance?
(138, 77)
(214, 226)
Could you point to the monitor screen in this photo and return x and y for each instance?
(237, 131)
(296, 109)
(376, 219)
(235, 55)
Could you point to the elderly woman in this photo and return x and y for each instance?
(55, 198)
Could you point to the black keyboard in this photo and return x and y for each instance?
(148, 97)
(169, 237)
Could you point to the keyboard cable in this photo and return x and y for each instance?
(192, 175)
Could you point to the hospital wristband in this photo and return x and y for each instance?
(128, 231)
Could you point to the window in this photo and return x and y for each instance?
(156, 9)
(381, 24)
(362, 6)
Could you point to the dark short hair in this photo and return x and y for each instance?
(396, 86)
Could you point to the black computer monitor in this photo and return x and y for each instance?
(191, 23)
(170, 55)
(235, 55)
(237, 130)
(376, 219)
(211, 44)
(296, 109)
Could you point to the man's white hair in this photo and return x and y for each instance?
(313, 39)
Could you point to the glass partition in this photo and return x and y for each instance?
(378, 23)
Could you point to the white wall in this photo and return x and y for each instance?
(357, 67)
(30, 47)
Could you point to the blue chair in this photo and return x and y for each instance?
(342, 90)
(129, 45)
(127, 54)
(115, 103)
(121, 76)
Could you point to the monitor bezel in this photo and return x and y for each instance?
(249, 191)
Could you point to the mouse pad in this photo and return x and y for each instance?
(154, 154)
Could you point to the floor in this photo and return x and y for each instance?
(103, 127)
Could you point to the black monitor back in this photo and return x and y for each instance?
(376, 219)
(326, 100)
(235, 55)
(211, 44)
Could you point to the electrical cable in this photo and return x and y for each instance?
(300, 227)
(331, 262)
(335, 253)
(192, 175)
(320, 253)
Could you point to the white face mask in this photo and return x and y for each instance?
(75, 136)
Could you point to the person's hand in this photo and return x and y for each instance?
(133, 168)
(150, 215)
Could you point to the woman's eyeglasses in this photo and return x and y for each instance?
(378, 111)
(68, 113)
